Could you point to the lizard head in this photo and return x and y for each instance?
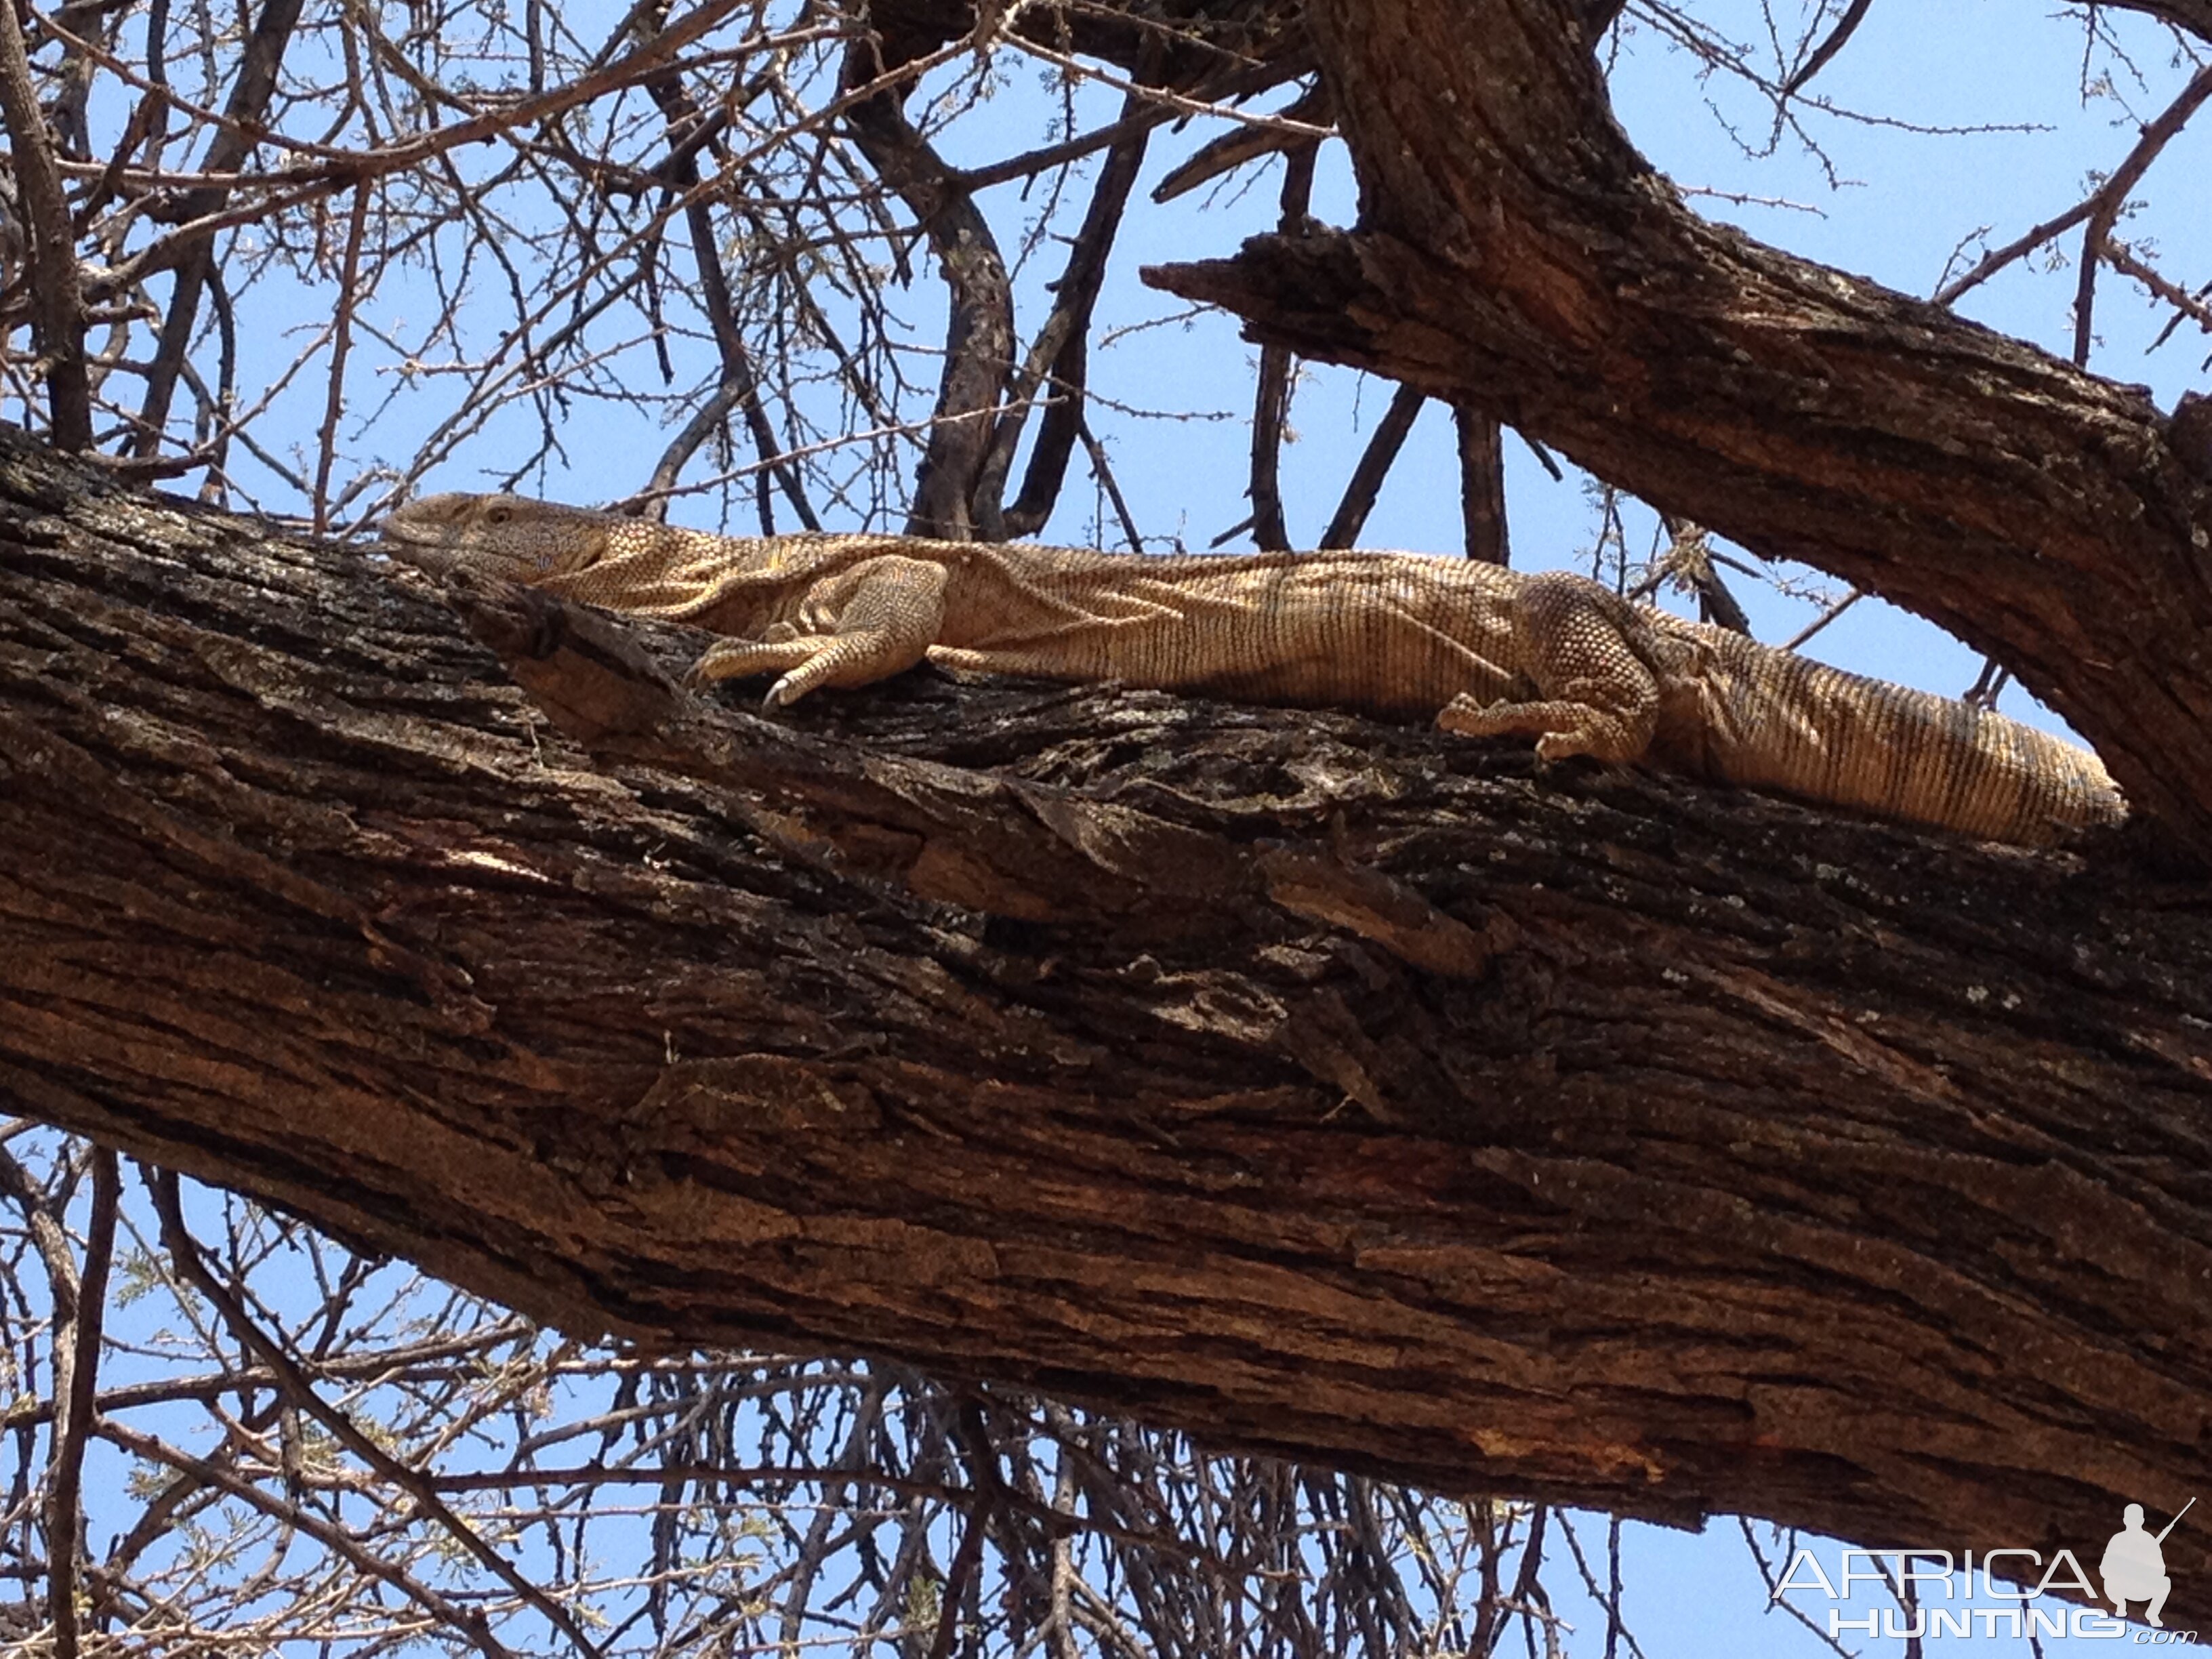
(509, 536)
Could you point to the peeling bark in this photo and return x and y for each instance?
(1549, 275)
(1323, 1086)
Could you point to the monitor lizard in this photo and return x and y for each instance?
(1484, 651)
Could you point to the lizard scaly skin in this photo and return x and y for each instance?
(1487, 652)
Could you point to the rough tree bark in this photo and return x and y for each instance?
(1326, 1087)
(1548, 275)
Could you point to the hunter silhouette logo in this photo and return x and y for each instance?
(2134, 1567)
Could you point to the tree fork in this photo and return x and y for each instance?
(1325, 1087)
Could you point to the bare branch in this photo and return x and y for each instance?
(1270, 402)
(2104, 204)
(185, 1253)
(979, 339)
(1482, 483)
(210, 1472)
(2113, 197)
(76, 1376)
(57, 301)
(1839, 38)
(1374, 466)
(1060, 359)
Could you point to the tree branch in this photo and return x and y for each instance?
(1482, 484)
(80, 1303)
(1328, 1088)
(2111, 199)
(2194, 16)
(1837, 40)
(978, 342)
(232, 143)
(739, 388)
(467, 1622)
(300, 1392)
(1373, 466)
(1271, 405)
(57, 301)
(1060, 360)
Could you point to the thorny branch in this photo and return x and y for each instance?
(2101, 208)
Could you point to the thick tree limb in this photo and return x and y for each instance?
(1323, 1086)
(1548, 275)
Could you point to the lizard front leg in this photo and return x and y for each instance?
(857, 627)
(1600, 696)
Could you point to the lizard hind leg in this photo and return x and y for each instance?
(858, 626)
(1562, 729)
(1598, 695)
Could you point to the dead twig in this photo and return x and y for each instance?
(1270, 401)
(1365, 483)
(1482, 484)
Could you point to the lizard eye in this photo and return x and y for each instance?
(498, 515)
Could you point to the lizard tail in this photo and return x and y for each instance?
(1782, 722)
